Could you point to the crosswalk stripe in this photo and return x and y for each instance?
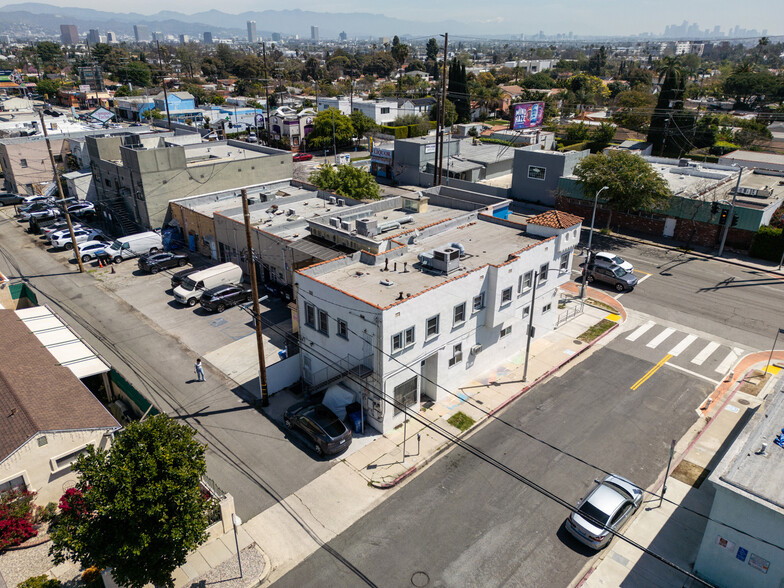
(656, 341)
(640, 331)
(681, 347)
(731, 358)
(705, 353)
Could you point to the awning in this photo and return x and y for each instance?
(65, 345)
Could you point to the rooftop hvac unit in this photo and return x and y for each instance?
(476, 349)
(367, 227)
(332, 200)
(446, 259)
(334, 222)
(291, 212)
(345, 225)
(341, 202)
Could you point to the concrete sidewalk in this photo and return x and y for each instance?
(674, 530)
(297, 526)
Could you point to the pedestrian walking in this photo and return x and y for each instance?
(199, 371)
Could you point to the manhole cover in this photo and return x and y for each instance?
(420, 579)
(743, 402)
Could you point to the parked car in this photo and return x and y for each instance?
(303, 157)
(615, 276)
(63, 238)
(135, 245)
(38, 198)
(64, 232)
(155, 262)
(39, 212)
(606, 259)
(190, 290)
(178, 277)
(91, 249)
(252, 138)
(60, 225)
(10, 199)
(605, 509)
(220, 298)
(323, 429)
(82, 208)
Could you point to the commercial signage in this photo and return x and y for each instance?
(381, 155)
(102, 114)
(430, 148)
(527, 115)
(84, 87)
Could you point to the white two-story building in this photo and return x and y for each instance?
(440, 292)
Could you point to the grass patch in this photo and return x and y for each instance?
(599, 304)
(461, 421)
(593, 332)
(363, 158)
(605, 231)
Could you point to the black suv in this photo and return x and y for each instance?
(220, 298)
(155, 262)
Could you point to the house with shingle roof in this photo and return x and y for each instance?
(440, 291)
(47, 416)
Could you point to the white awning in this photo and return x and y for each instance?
(65, 345)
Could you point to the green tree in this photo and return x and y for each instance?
(122, 91)
(380, 64)
(49, 53)
(457, 91)
(47, 87)
(667, 117)
(416, 65)
(321, 137)
(399, 51)
(597, 62)
(138, 507)
(632, 183)
(450, 113)
(362, 123)
(748, 87)
(539, 81)
(431, 49)
(634, 109)
(601, 136)
(346, 180)
(139, 74)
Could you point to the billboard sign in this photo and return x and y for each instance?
(527, 115)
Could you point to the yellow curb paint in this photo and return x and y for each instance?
(613, 317)
(773, 369)
(651, 371)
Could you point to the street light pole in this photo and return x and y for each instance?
(590, 240)
(530, 330)
(729, 216)
(236, 522)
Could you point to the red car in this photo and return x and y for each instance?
(302, 157)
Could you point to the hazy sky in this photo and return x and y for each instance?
(616, 17)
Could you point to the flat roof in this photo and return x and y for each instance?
(484, 244)
(745, 469)
(485, 153)
(776, 158)
(212, 152)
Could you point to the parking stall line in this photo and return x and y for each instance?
(681, 347)
(731, 358)
(651, 371)
(640, 331)
(658, 339)
(705, 353)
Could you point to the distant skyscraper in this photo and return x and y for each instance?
(111, 37)
(252, 36)
(314, 33)
(94, 36)
(158, 36)
(276, 37)
(141, 33)
(343, 36)
(207, 36)
(69, 35)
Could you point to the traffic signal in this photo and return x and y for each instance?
(714, 208)
(734, 220)
(723, 217)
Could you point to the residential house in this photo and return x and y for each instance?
(382, 111)
(133, 108)
(415, 106)
(286, 124)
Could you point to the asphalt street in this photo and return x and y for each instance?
(464, 522)
(248, 455)
(737, 303)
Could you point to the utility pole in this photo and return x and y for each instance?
(442, 115)
(334, 148)
(266, 93)
(728, 220)
(60, 194)
(256, 310)
(163, 83)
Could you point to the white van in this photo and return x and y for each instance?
(135, 245)
(192, 287)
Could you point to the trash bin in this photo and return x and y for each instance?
(356, 421)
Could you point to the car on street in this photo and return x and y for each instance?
(225, 296)
(612, 501)
(62, 239)
(83, 208)
(155, 262)
(326, 433)
(606, 259)
(91, 249)
(39, 211)
(10, 199)
(615, 276)
(178, 277)
(303, 156)
(252, 138)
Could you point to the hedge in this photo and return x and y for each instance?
(768, 244)
(398, 132)
(575, 147)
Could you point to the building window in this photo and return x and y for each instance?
(431, 326)
(384, 110)
(409, 336)
(64, 461)
(403, 339)
(526, 311)
(565, 262)
(525, 282)
(457, 355)
(310, 315)
(323, 325)
(397, 342)
(543, 271)
(17, 483)
(23, 162)
(459, 316)
(506, 295)
(546, 308)
(42, 440)
(536, 172)
(342, 329)
(506, 331)
(479, 302)
(405, 394)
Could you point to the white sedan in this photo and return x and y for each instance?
(607, 259)
(90, 249)
(81, 235)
